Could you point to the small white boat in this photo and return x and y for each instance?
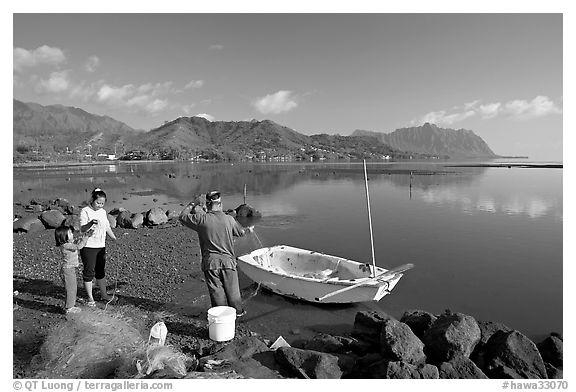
(317, 277)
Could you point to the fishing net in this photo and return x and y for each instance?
(105, 344)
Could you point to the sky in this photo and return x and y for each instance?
(499, 75)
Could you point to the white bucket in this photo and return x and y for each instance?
(221, 323)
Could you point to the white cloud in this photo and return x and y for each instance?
(490, 110)
(194, 84)
(92, 63)
(470, 105)
(206, 116)
(538, 107)
(156, 89)
(139, 100)
(216, 47)
(441, 117)
(58, 82)
(147, 97)
(281, 101)
(516, 109)
(43, 55)
(115, 95)
(156, 105)
(84, 90)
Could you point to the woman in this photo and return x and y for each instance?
(94, 253)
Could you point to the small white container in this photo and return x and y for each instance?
(158, 334)
(221, 323)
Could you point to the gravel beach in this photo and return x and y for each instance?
(155, 269)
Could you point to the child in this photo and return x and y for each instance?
(94, 253)
(69, 262)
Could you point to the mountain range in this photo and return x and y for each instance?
(430, 139)
(57, 132)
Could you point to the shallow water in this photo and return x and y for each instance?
(484, 241)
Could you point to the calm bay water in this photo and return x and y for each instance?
(484, 241)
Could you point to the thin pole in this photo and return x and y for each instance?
(410, 185)
(369, 220)
(244, 193)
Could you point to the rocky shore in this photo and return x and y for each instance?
(155, 256)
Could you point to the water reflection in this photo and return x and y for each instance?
(466, 189)
(511, 200)
(468, 230)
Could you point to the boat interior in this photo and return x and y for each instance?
(310, 264)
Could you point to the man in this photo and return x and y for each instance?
(215, 231)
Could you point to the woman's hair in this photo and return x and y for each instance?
(97, 192)
(61, 234)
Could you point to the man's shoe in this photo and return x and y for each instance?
(73, 309)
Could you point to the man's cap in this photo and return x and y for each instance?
(213, 196)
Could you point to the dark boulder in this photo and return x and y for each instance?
(245, 356)
(324, 343)
(117, 211)
(368, 325)
(247, 211)
(512, 355)
(52, 218)
(156, 216)
(56, 208)
(137, 220)
(402, 370)
(451, 334)
(172, 214)
(65, 206)
(244, 347)
(553, 372)
(254, 369)
(308, 363)
(552, 351)
(362, 347)
(28, 225)
(487, 329)
(124, 219)
(460, 367)
(363, 363)
(419, 321)
(74, 221)
(398, 343)
(111, 220)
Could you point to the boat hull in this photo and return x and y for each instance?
(297, 273)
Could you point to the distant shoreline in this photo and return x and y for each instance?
(93, 163)
(510, 165)
(35, 165)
